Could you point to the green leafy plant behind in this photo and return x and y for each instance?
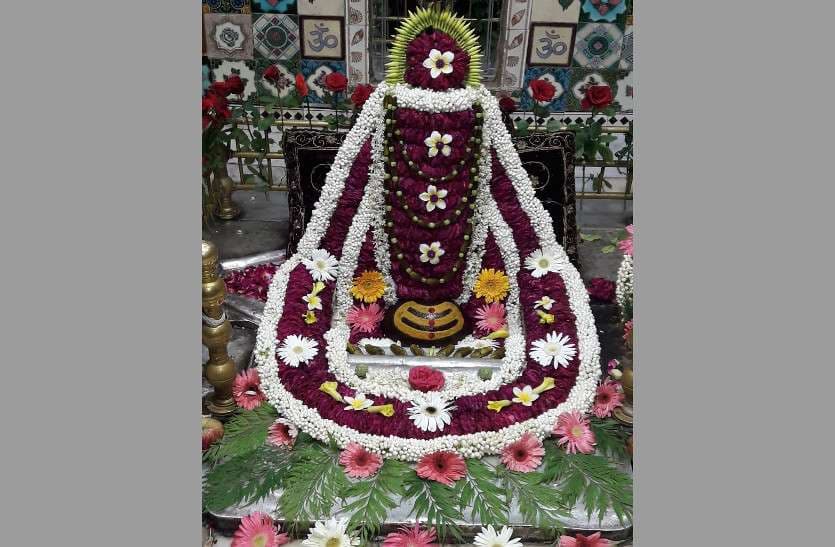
(435, 501)
(611, 438)
(479, 489)
(370, 501)
(245, 478)
(540, 504)
(245, 431)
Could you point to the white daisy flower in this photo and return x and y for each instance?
(554, 349)
(488, 537)
(297, 349)
(322, 265)
(431, 413)
(313, 301)
(437, 142)
(439, 63)
(476, 343)
(545, 303)
(541, 262)
(357, 402)
(433, 198)
(331, 533)
(431, 253)
(526, 395)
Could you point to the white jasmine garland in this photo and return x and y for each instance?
(624, 283)
(476, 343)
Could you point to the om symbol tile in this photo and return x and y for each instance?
(228, 36)
(322, 37)
(551, 44)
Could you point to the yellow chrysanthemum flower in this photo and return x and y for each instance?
(369, 286)
(492, 285)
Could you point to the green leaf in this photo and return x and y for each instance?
(245, 431)
(373, 499)
(479, 489)
(607, 249)
(245, 478)
(611, 438)
(435, 501)
(590, 237)
(540, 504)
(265, 123)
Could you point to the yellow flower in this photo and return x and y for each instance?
(385, 410)
(368, 286)
(310, 317)
(547, 383)
(330, 389)
(492, 285)
(545, 318)
(497, 405)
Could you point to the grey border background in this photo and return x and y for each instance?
(100, 230)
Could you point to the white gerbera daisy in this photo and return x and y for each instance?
(437, 142)
(331, 533)
(476, 343)
(322, 265)
(526, 395)
(431, 253)
(439, 63)
(297, 349)
(555, 349)
(357, 402)
(431, 413)
(545, 303)
(488, 537)
(433, 198)
(541, 262)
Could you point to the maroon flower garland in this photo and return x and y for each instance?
(418, 51)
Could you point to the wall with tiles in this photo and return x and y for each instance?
(569, 42)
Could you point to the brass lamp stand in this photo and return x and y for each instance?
(227, 210)
(219, 369)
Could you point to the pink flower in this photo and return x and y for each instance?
(258, 530)
(443, 467)
(612, 365)
(580, 540)
(607, 399)
(364, 318)
(627, 330)
(359, 462)
(410, 537)
(601, 289)
(524, 455)
(491, 317)
(282, 433)
(247, 389)
(575, 433)
(426, 378)
(626, 244)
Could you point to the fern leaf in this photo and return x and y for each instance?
(244, 432)
(373, 499)
(611, 438)
(434, 501)
(479, 489)
(245, 478)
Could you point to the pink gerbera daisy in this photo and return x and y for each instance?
(258, 530)
(607, 399)
(626, 244)
(575, 433)
(247, 389)
(364, 318)
(443, 467)
(524, 455)
(359, 462)
(410, 537)
(282, 433)
(491, 317)
(580, 540)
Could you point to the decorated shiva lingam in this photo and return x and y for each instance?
(428, 251)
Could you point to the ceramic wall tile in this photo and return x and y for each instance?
(222, 69)
(322, 37)
(626, 52)
(228, 36)
(604, 11)
(581, 78)
(556, 11)
(315, 73)
(276, 36)
(274, 6)
(286, 81)
(597, 45)
(357, 54)
(626, 92)
(551, 44)
(227, 6)
(513, 65)
(560, 78)
(321, 7)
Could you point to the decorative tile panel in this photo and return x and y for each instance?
(560, 78)
(551, 44)
(245, 69)
(597, 45)
(226, 6)
(580, 78)
(626, 92)
(228, 36)
(357, 54)
(315, 72)
(274, 6)
(626, 52)
(276, 36)
(322, 37)
(286, 80)
(556, 11)
(604, 11)
(321, 7)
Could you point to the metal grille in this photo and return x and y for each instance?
(385, 16)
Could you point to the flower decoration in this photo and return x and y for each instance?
(491, 317)
(361, 94)
(627, 331)
(364, 318)
(596, 97)
(296, 350)
(301, 86)
(436, 142)
(426, 379)
(439, 63)
(601, 289)
(625, 245)
(431, 253)
(431, 414)
(525, 396)
(545, 318)
(258, 530)
(336, 82)
(492, 285)
(359, 463)
(427, 30)
(368, 286)
(330, 533)
(580, 540)
(433, 196)
(545, 303)
(476, 343)
(555, 349)
(541, 262)
(331, 388)
(575, 433)
(507, 105)
(246, 389)
(312, 298)
(212, 431)
(443, 467)
(309, 317)
(322, 265)
(411, 537)
(357, 402)
(542, 91)
(607, 399)
(282, 433)
(488, 537)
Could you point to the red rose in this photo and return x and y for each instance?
(220, 88)
(597, 96)
(301, 86)
(426, 378)
(272, 74)
(507, 105)
(542, 91)
(336, 82)
(235, 84)
(361, 94)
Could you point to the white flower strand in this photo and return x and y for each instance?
(624, 283)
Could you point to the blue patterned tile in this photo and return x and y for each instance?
(597, 46)
(604, 11)
(226, 6)
(315, 72)
(559, 78)
(274, 6)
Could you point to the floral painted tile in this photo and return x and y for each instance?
(276, 36)
(560, 78)
(222, 69)
(604, 11)
(228, 36)
(580, 78)
(357, 54)
(626, 92)
(286, 81)
(274, 6)
(322, 7)
(226, 6)
(626, 53)
(597, 45)
(315, 73)
(556, 11)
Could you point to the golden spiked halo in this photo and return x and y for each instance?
(439, 19)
